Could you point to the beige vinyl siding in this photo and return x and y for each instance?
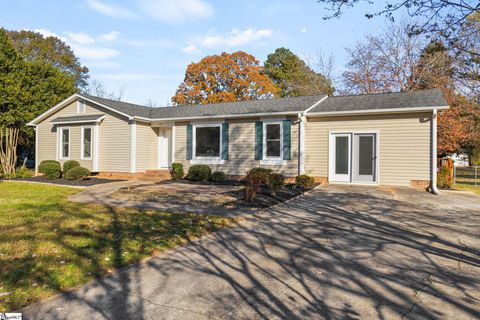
(114, 139)
(404, 150)
(241, 149)
(147, 147)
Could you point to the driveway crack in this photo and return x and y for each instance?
(428, 281)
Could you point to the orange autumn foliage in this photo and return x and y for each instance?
(224, 78)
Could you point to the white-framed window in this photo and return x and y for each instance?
(207, 143)
(272, 140)
(64, 143)
(86, 147)
(80, 106)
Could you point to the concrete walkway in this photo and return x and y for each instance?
(100, 195)
(336, 253)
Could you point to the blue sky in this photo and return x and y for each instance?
(144, 46)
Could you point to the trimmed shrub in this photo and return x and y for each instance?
(23, 172)
(50, 169)
(218, 176)
(67, 165)
(276, 180)
(77, 173)
(199, 172)
(305, 182)
(444, 178)
(177, 171)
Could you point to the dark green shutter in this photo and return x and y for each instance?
(189, 141)
(258, 140)
(224, 141)
(287, 139)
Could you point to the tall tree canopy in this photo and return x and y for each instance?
(28, 88)
(293, 76)
(224, 78)
(33, 46)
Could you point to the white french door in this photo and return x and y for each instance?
(340, 155)
(353, 157)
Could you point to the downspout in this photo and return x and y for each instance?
(301, 144)
(433, 179)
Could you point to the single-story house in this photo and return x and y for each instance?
(380, 139)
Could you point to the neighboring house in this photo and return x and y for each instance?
(387, 139)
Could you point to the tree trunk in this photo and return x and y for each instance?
(8, 151)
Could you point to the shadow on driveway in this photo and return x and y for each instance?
(336, 253)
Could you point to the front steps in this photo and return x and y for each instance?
(155, 175)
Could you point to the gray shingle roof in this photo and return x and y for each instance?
(295, 104)
(85, 118)
(411, 99)
(425, 98)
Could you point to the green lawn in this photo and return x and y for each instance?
(465, 187)
(48, 244)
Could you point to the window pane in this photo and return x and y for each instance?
(87, 142)
(273, 148)
(65, 143)
(341, 155)
(207, 142)
(273, 132)
(365, 156)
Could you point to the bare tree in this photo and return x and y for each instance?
(434, 17)
(98, 89)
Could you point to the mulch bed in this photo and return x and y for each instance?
(229, 195)
(65, 182)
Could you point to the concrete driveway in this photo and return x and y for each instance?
(336, 253)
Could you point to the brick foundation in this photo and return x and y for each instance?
(421, 184)
(119, 175)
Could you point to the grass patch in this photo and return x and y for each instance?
(464, 187)
(48, 244)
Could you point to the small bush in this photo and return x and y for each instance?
(199, 172)
(23, 172)
(276, 181)
(67, 165)
(258, 176)
(444, 178)
(77, 173)
(50, 169)
(305, 182)
(218, 176)
(177, 171)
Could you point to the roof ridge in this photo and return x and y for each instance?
(384, 93)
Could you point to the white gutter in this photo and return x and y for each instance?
(301, 144)
(377, 111)
(248, 115)
(79, 121)
(314, 105)
(433, 179)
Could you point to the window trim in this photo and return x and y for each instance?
(82, 143)
(264, 142)
(61, 157)
(81, 106)
(203, 159)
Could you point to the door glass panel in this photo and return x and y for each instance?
(341, 155)
(365, 155)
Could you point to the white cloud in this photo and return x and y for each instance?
(191, 49)
(236, 38)
(303, 30)
(83, 45)
(177, 11)
(111, 10)
(80, 38)
(111, 36)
